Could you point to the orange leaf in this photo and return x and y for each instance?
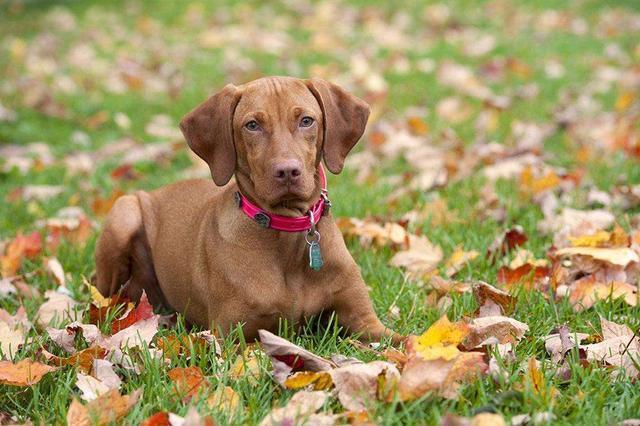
(188, 381)
(25, 373)
(161, 418)
(104, 410)
(83, 359)
(22, 246)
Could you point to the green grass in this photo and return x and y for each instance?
(591, 396)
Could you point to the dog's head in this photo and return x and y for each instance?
(272, 133)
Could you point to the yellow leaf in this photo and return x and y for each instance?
(224, 399)
(458, 259)
(621, 256)
(320, 380)
(441, 340)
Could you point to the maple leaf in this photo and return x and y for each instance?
(105, 409)
(420, 260)
(298, 409)
(83, 359)
(143, 311)
(23, 373)
(101, 380)
(22, 246)
(188, 382)
(440, 340)
(287, 357)
(58, 307)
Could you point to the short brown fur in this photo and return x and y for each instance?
(190, 247)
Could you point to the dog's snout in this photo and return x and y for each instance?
(287, 170)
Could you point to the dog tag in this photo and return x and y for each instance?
(315, 256)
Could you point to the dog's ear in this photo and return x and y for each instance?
(345, 117)
(208, 130)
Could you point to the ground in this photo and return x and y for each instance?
(558, 81)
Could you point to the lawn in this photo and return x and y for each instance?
(486, 117)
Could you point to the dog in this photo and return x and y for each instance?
(264, 247)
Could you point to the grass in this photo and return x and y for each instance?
(591, 396)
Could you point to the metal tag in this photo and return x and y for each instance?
(315, 256)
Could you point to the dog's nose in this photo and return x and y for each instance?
(287, 171)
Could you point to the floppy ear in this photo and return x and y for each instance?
(345, 117)
(208, 130)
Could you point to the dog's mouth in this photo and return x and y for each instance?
(290, 199)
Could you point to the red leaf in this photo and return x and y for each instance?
(143, 311)
(161, 418)
(511, 239)
(527, 275)
(293, 361)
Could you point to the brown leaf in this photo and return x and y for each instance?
(491, 330)
(509, 240)
(484, 292)
(105, 409)
(358, 384)
(83, 359)
(188, 382)
(24, 373)
(440, 376)
(298, 410)
(287, 357)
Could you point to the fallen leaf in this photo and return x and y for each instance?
(358, 385)
(440, 376)
(420, 260)
(188, 382)
(23, 373)
(143, 311)
(22, 246)
(104, 410)
(287, 357)
(101, 380)
(585, 292)
(621, 256)
(58, 307)
(507, 241)
(82, 359)
(224, 399)
(440, 340)
(298, 410)
(493, 330)
(459, 258)
(55, 270)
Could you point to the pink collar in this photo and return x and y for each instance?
(286, 223)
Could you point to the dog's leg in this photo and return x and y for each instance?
(114, 249)
(355, 312)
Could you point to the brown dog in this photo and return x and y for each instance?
(191, 247)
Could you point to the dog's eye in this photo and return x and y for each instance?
(252, 125)
(306, 122)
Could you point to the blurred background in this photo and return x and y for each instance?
(485, 115)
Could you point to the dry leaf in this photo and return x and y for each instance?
(298, 410)
(440, 340)
(58, 308)
(105, 409)
(101, 380)
(287, 357)
(188, 382)
(24, 373)
(621, 256)
(420, 260)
